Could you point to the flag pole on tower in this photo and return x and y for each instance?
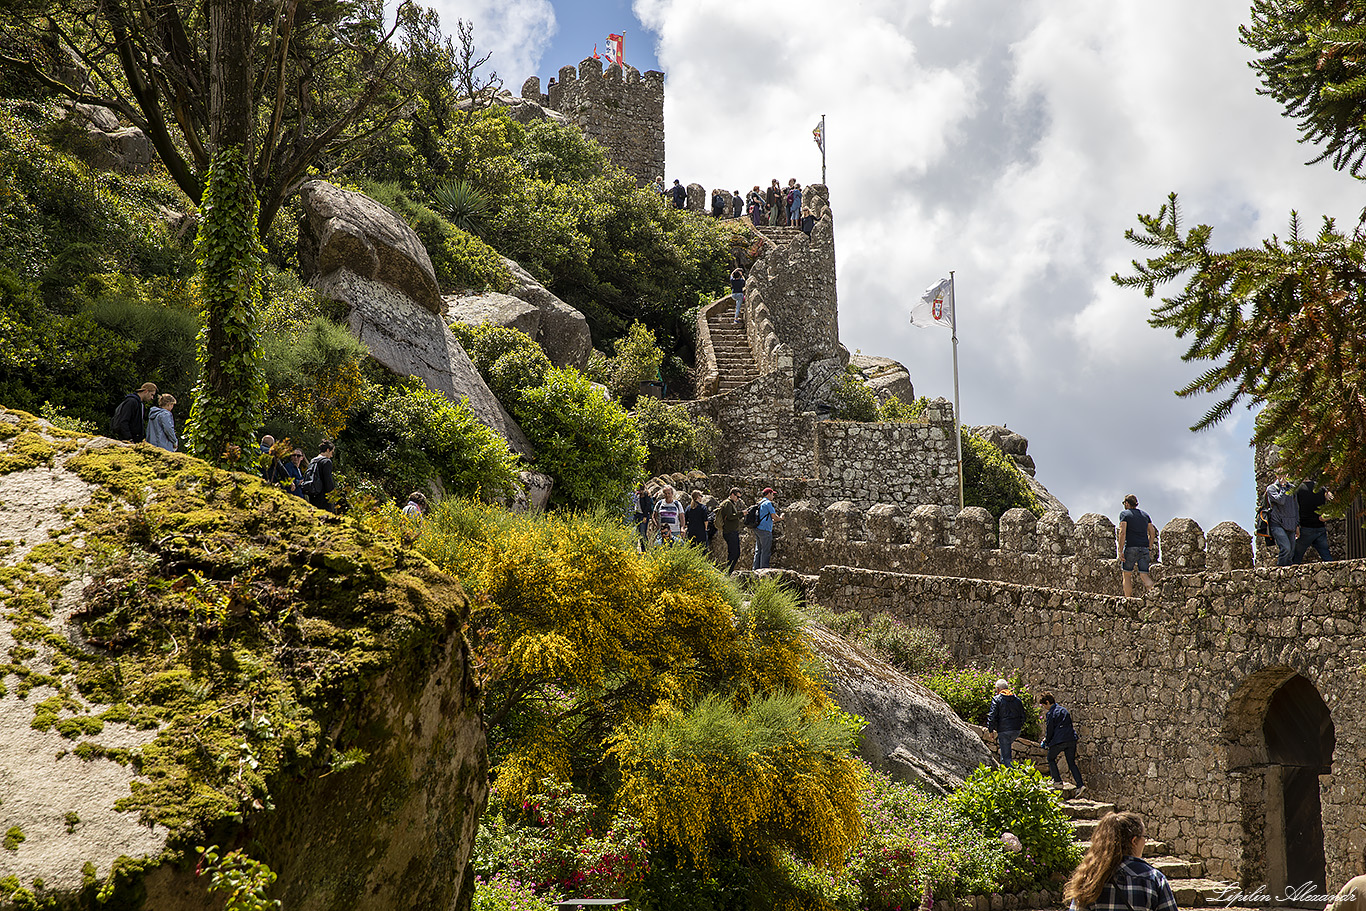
(938, 306)
(819, 135)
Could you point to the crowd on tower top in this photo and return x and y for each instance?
(775, 207)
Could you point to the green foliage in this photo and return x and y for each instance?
(411, 435)
(1016, 799)
(1311, 55)
(463, 205)
(636, 360)
(717, 782)
(14, 838)
(969, 692)
(913, 650)
(850, 399)
(231, 392)
(676, 440)
(1284, 325)
(992, 480)
(501, 893)
(314, 376)
(583, 439)
(243, 879)
(557, 841)
(893, 409)
(913, 845)
(509, 359)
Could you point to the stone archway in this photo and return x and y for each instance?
(1280, 740)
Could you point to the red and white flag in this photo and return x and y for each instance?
(595, 53)
(614, 50)
(935, 307)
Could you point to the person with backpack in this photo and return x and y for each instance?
(160, 424)
(1283, 515)
(697, 518)
(730, 513)
(416, 507)
(1005, 719)
(766, 514)
(668, 518)
(129, 423)
(1060, 737)
(318, 481)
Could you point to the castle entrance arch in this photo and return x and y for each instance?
(1280, 739)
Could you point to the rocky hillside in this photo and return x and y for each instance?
(196, 658)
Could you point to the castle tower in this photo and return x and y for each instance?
(622, 111)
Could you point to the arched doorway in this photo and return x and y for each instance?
(1280, 740)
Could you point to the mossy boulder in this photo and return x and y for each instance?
(193, 657)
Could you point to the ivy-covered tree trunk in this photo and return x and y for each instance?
(232, 390)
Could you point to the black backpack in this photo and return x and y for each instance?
(312, 484)
(751, 519)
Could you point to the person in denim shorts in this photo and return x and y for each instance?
(1138, 537)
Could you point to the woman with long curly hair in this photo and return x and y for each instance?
(1113, 875)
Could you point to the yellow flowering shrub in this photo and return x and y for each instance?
(718, 782)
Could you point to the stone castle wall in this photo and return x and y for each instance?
(1050, 550)
(1172, 690)
(623, 111)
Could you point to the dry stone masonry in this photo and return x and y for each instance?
(623, 111)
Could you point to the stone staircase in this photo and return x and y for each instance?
(734, 361)
(1187, 878)
(779, 236)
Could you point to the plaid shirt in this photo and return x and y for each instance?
(1134, 886)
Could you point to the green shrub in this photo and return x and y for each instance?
(969, 692)
(503, 893)
(677, 440)
(636, 360)
(1016, 799)
(509, 359)
(463, 204)
(583, 439)
(413, 434)
(912, 650)
(315, 380)
(893, 409)
(850, 399)
(992, 480)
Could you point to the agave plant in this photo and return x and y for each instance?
(464, 205)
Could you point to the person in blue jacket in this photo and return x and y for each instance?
(1060, 736)
(1005, 719)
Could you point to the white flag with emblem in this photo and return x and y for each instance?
(935, 307)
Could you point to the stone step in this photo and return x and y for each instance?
(1083, 829)
(1196, 892)
(1174, 867)
(1084, 808)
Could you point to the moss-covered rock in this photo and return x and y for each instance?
(190, 656)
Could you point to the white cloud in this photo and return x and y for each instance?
(1013, 143)
(517, 32)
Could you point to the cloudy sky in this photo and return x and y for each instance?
(1011, 142)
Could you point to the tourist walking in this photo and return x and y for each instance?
(1113, 876)
(1283, 515)
(668, 518)
(319, 480)
(644, 510)
(416, 507)
(1310, 499)
(737, 205)
(737, 290)
(794, 201)
(718, 204)
(1005, 719)
(768, 514)
(808, 221)
(294, 470)
(161, 425)
(697, 517)
(1060, 736)
(773, 200)
(680, 195)
(730, 513)
(1138, 537)
(130, 421)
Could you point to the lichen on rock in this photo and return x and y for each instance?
(193, 654)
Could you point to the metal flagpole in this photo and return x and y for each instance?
(957, 419)
(823, 141)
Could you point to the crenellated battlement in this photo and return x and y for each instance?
(1049, 550)
(620, 107)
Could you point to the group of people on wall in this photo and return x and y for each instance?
(777, 206)
(668, 520)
